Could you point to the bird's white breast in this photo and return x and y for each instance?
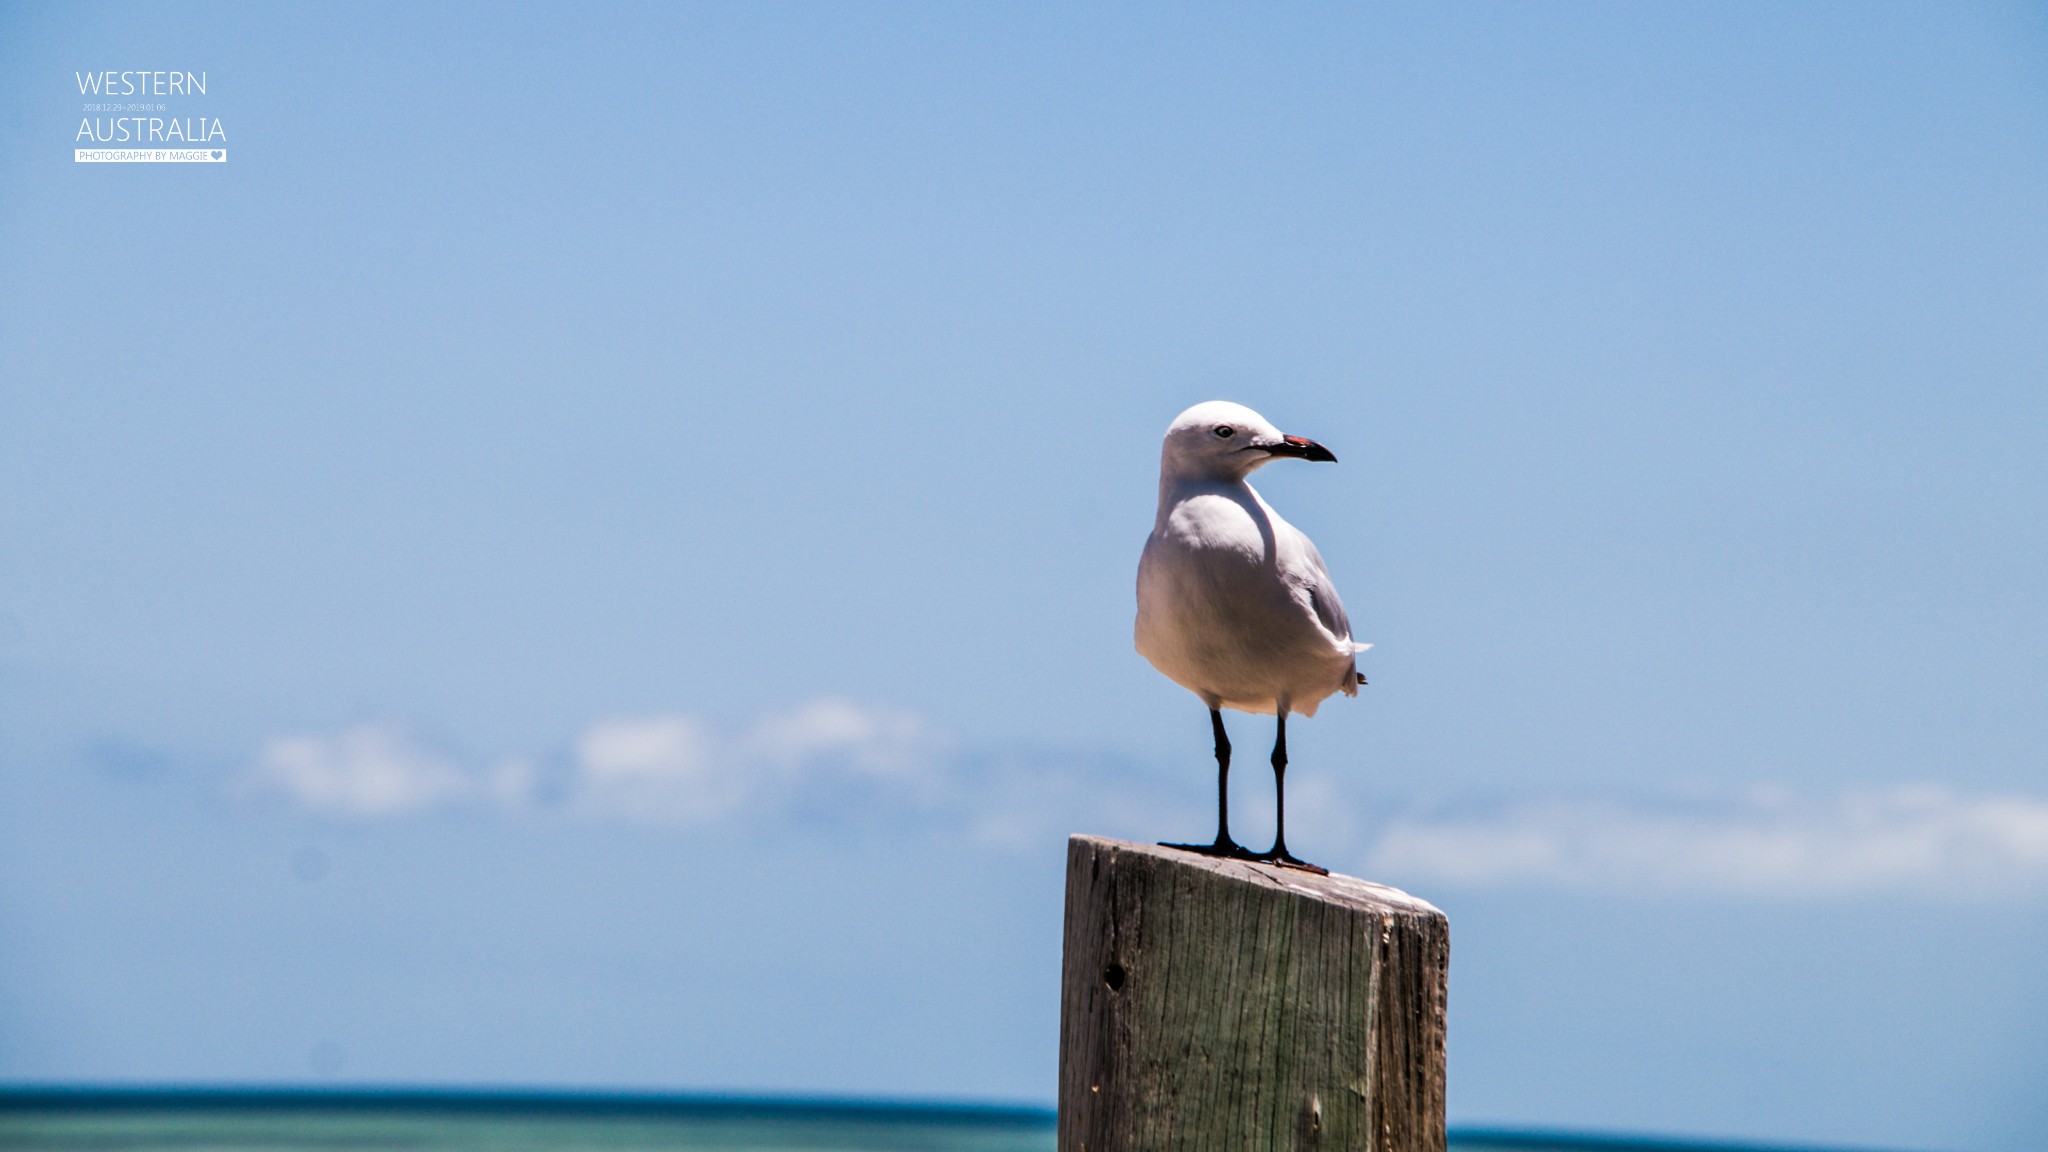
(1227, 603)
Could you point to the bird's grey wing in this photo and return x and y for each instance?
(1322, 591)
(1322, 596)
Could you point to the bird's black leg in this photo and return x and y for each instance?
(1280, 854)
(1224, 845)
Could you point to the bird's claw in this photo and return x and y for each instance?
(1281, 857)
(1226, 849)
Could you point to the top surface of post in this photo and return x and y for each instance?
(1349, 891)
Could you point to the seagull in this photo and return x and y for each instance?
(1234, 603)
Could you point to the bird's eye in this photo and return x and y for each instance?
(1225, 431)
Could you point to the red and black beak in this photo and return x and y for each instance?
(1301, 449)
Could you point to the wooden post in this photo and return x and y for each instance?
(1217, 1004)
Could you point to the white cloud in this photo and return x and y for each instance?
(1771, 843)
(1022, 799)
(863, 742)
(827, 756)
(368, 770)
(832, 763)
(656, 767)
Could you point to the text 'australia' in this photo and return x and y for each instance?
(150, 130)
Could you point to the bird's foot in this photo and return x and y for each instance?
(1224, 847)
(1285, 859)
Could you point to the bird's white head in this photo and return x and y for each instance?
(1218, 440)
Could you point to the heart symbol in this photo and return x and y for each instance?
(216, 155)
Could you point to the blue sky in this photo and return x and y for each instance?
(597, 548)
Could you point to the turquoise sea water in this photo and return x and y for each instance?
(305, 1122)
(289, 1121)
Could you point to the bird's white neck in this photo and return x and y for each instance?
(1178, 489)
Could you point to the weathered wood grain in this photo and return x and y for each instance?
(1221, 1005)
